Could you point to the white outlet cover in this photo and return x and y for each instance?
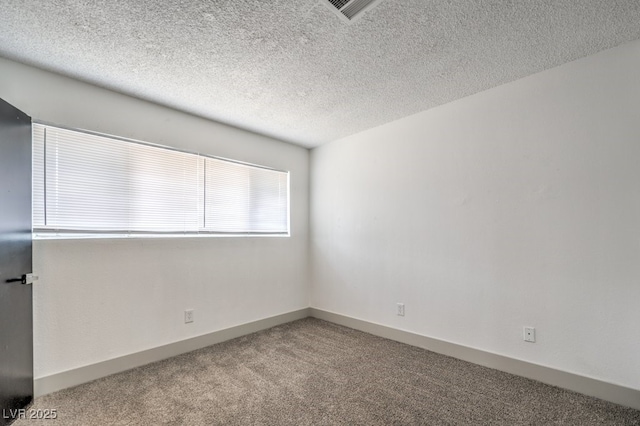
(188, 316)
(530, 334)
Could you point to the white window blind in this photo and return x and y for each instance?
(240, 198)
(94, 184)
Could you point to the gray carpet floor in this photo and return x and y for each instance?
(311, 372)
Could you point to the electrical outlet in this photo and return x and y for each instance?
(529, 334)
(400, 309)
(188, 316)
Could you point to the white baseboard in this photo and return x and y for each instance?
(593, 387)
(585, 385)
(77, 376)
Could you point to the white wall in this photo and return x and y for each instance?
(100, 299)
(516, 206)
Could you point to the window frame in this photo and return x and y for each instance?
(62, 234)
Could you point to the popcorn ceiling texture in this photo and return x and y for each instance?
(292, 69)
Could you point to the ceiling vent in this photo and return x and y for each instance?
(350, 10)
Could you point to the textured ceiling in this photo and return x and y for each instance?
(293, 70)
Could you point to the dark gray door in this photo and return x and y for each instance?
(16, 323)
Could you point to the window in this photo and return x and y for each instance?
(86, 184)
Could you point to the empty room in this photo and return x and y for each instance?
(318, 212)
